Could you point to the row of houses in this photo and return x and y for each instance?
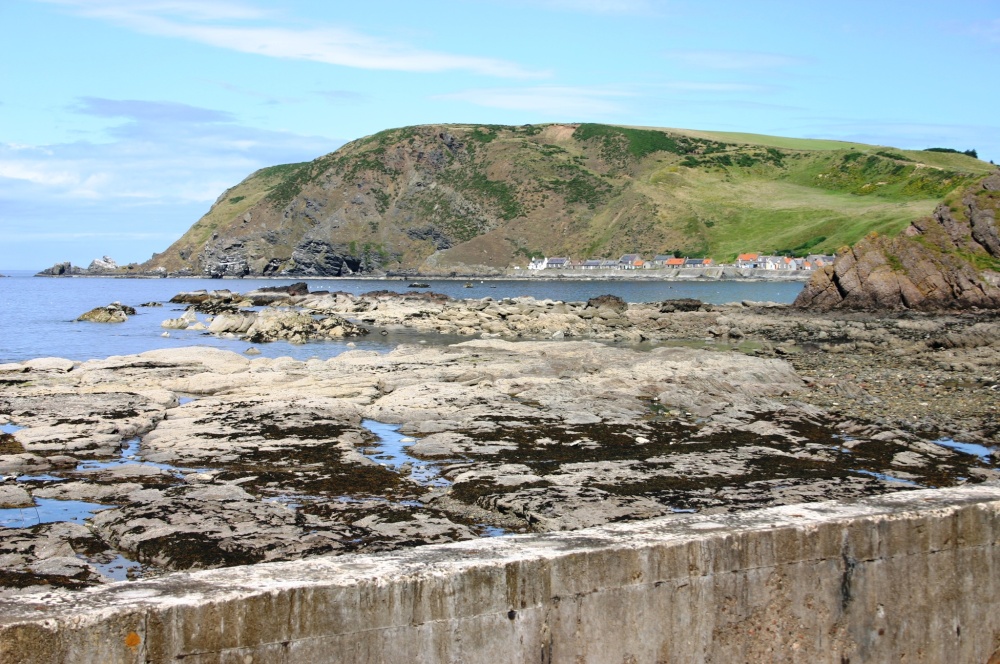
(637, 262)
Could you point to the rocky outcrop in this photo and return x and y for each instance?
(947, 261)
(270, 324)
(105, 264)
(66, 269)
(116, 312)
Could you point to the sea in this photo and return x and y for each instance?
(38, 314)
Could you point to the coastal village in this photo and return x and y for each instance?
(670, 261)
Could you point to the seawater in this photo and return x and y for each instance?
(38, 314)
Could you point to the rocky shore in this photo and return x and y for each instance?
(550, 416)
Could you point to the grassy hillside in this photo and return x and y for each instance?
(465, 197)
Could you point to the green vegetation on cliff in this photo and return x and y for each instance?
(468, 197)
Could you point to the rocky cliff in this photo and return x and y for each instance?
(478, 199)
(949, 260)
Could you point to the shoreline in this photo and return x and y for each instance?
(560, 421)
(676, 276)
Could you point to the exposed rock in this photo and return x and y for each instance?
(926, 268)
(273, 324)
(66, 269)
(271, 460)
(116, 312)
(49, 364)
(682, 304)
(14, 496)
(612, 302)
(105, 264)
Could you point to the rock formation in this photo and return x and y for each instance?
(105, 264)
(116, 312)
(950, 260)
(65, 269)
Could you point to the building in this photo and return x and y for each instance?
(630, 262)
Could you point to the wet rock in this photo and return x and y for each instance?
(14, 496)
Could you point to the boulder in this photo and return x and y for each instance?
(14, 496)
(49, 364)
(116, 312)
(612, 302)
(682, 304)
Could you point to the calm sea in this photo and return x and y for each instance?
(37, 315)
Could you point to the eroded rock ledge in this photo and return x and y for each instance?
(237, 461)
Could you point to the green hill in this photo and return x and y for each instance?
(475, 198)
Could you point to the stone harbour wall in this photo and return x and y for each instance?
(912, 576)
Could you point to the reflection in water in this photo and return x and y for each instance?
(129, 456)
(984, 453)
(390, 451)
(48, 510)
(887, 478)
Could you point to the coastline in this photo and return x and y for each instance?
(666, 275)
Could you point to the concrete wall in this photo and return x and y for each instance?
(912, 577)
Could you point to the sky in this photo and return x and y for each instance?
(122, 121)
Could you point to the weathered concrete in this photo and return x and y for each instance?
(905, 577)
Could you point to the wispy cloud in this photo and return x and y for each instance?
(237, 27)
(554, 101)
(734, 60)
(160, 152)
(151, 111)
(164, 165)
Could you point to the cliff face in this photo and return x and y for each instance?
(950, 260)
(476, 199)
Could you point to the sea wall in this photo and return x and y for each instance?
(912, 576)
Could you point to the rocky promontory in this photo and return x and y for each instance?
(948, 261)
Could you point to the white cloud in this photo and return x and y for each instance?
(561, 102)
(164, 165)
(234, 27)
(37, 173)
(163, 152)
(734, 60)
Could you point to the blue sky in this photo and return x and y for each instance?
(121, 121)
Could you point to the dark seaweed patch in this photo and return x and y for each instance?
(9, 444)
